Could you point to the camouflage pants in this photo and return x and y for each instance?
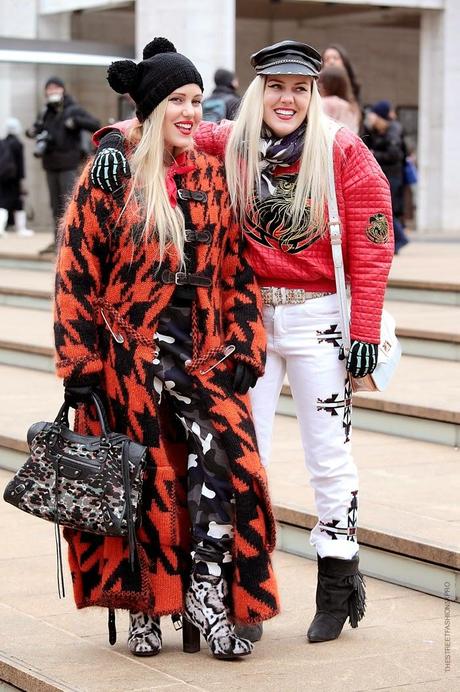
(209, 492)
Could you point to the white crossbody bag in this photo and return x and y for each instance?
(389, 350)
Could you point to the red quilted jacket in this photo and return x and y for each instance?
(364, 203)
(362, 194)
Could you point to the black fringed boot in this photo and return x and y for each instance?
(339, 594)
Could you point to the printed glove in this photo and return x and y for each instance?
(110, 166)
(244, 378)
(362, 358)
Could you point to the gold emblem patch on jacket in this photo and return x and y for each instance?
(378, 230)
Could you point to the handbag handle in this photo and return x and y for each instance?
(336, 240)
(63, 415)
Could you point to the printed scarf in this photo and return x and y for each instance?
(274, 152)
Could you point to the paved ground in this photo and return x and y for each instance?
(399, 646)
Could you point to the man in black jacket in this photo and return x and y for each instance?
(58, 134)
(384, 136)
(224, 100)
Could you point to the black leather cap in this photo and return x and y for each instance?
(287, 57)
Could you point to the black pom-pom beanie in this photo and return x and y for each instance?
(161, 72)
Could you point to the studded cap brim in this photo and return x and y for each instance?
(284, 67)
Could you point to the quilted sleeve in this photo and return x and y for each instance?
(82, 256)
(242, 304)
(212, 137)
(369, 227)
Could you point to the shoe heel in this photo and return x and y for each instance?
(190, 637)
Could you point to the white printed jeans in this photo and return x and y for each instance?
(304, 342)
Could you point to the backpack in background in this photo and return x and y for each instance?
(214, 110)
(8, 167)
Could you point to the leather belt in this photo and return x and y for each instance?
(272, 295)
(184, 279)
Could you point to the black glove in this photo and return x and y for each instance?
(362, 358)
(78, 390)
(110, 167)
(244, 378)
(73, 396)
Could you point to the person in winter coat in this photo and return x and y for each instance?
(276, 159)
(58, 134)
(12, 174)
(384, 136)
(335, 55)
(224, 100)
(157, 305)
(336, 97)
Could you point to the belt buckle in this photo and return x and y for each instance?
(301, 295)
(179, 278)
(277, 295)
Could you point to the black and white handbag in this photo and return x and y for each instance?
(85, 482)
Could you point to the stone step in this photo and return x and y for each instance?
(410, 407)
(26, 338)
(409, 511)
(31, 262)
(426, 273)
(422, 402)
(26, 288)
(408, 507)
(427, 330)
(23, 253)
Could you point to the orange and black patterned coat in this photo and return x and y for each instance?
(109, 297)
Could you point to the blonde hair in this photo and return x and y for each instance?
(242, 160)
(148, 186)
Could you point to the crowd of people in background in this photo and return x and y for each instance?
(62, 133)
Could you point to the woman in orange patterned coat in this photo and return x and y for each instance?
(165, 318)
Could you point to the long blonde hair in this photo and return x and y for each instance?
(148, 186)
(242, 160)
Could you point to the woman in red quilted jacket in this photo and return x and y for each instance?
(276, 163)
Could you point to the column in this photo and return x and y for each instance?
(439, 104)
(203, 30)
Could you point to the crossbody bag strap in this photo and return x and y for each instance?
(336, 241)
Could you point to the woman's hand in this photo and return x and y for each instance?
(362, 358)
(73, 396)
(110, 167)
(80, 390)
(244, 378)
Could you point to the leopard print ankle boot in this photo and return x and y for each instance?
(205, 609)
(144, 636)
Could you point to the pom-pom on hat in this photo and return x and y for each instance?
(162, 71)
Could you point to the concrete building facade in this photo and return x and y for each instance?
(402, 50)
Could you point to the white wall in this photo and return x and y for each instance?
(203, 30)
